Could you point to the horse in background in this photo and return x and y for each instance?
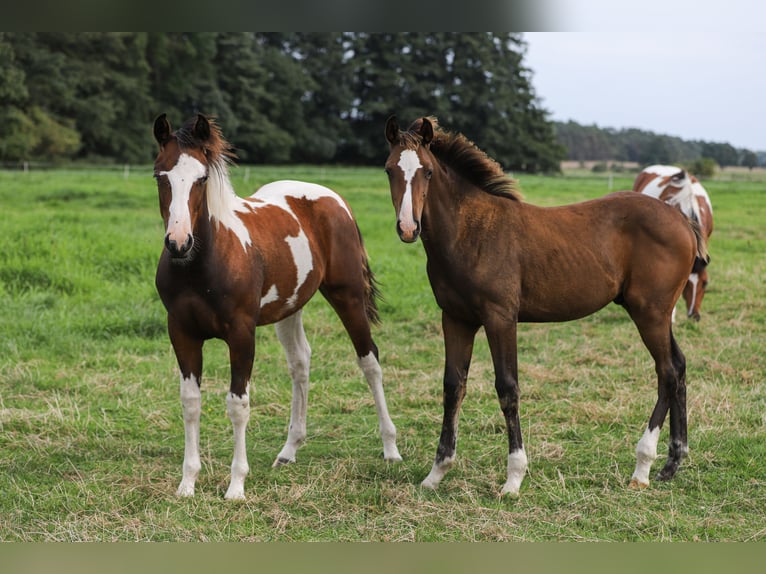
(230, 264)
(494, 261)
(677, 187)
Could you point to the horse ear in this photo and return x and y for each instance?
(162, 129)
(392, 130)
(426, 131)
(202, 128)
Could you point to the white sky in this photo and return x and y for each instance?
(688, 68)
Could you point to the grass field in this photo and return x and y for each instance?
(91, 436)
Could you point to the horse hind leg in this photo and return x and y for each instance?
(670, 366)
(678, 447)
(292, 336)
(350, 308)
(374, 376)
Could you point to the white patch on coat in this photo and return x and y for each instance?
(270, 297)
(181, 178)
(646, 453)
(304, 262)
(409, 162)
(277, 192)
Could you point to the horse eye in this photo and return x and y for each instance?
(203, 179)
(388, 171)
(429, 173)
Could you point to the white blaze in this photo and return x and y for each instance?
(181, 178)
(409, 162)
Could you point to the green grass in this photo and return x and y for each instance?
(91, 436)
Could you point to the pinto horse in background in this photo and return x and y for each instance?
(675, 186)
(494, 261)
(231, 264)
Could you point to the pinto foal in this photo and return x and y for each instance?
(231, 264)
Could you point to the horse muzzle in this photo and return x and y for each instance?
(179, 250)
(408, 233)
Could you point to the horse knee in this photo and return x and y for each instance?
(507, 389)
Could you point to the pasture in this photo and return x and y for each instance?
(91, 435)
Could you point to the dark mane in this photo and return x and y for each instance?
(463, 156)
(219, 151)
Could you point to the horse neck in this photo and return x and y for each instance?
(450, 197)
(223, 206)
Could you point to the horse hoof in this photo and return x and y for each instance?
(636, 485)
(281, 462)
(429, 483)
(509, 494)
(393, 458)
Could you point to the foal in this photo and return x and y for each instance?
(232, 263)
(495, 261)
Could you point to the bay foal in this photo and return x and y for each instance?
(494, 261)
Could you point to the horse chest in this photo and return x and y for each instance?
(458, 293)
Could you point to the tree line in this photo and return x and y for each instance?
(297, 97)
(280, 97)
(585, 143)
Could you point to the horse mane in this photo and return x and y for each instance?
(222, 201)
(219, 152)
(464, 156)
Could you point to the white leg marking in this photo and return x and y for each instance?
(646, 452)
(374, 375)
(238, 409)
(438, 470)
(298, 353)
(191, 400)
(694, 280)
(517, 468)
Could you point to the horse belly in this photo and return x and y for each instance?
(564, 305)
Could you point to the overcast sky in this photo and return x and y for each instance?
(688, 68)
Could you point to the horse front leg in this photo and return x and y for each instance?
(292, 336)
(241, 354)
(188, 352)
(502, 344)
(458, 348)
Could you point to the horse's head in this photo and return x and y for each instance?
(409, 167)
(181, 170)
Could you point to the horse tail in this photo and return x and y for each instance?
(703, 256)
(371, 290)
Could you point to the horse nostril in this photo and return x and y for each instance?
(187, 244)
